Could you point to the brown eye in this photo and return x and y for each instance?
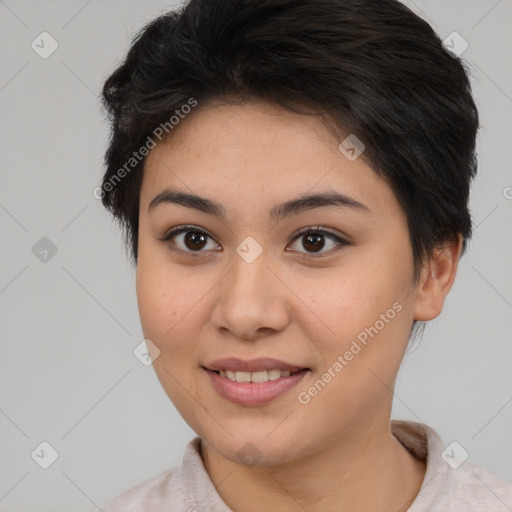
(192, 239)
(314, 240)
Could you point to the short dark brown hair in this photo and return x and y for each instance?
(373, 66)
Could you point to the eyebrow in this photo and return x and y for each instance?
(277, 213)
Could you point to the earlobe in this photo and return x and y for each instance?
(436, 280)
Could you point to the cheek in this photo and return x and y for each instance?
(356, 376)
(154, 304)
(166, 319)
(365, 314)
(171, 308)
(349, 301)
(161, 300)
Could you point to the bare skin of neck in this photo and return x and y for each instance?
(360, 473)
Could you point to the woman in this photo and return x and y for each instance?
(293, 180)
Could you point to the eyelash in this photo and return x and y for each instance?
(195, 229)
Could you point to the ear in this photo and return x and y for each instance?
(436, 280)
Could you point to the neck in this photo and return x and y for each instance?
(358, 472)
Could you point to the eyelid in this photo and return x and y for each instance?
(315, 229)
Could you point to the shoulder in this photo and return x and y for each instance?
(451, 482)
(186, 488)
(473, 489)
(148, 495)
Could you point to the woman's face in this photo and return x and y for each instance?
(253, 288)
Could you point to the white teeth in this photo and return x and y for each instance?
(243, 376)
(274, 374)
(262, 376)
(259, 376)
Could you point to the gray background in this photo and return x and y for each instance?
(69, 325)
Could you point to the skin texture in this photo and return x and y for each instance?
(337, 451)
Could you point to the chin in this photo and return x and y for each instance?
(253, 449)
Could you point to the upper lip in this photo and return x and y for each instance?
(251, 365)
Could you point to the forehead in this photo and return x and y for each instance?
(258, 151)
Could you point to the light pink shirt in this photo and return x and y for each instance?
(468, 488)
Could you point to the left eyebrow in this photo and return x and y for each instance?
(277, 212)
(312, 201)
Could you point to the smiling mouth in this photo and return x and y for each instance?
(260, 376)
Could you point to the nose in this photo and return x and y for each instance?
(251, 300)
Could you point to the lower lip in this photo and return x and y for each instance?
(254, 393)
